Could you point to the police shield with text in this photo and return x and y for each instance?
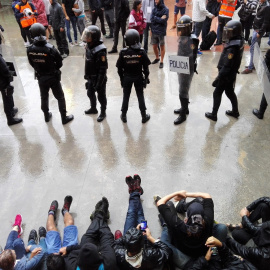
(188, 47)
(133, 68)
(228, 65)
(96, 66)
(47, 61)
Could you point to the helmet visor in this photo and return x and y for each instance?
(227, 34)
(86, 35)
(184, 28)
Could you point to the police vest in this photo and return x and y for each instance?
(26, 21)
(227, 8)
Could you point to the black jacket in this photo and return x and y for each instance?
(262, 19)
(121, 10)
(108, 4)
(96, 4)
(255, 203)
(213, 7)
(57, 16)
(154, 255)
(5, 76)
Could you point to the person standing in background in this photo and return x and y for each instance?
(147, 7)
(180, 5)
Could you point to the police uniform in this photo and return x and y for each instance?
(132, 64)
(96, 66)
(47, 61)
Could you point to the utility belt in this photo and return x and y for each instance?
(56, 73)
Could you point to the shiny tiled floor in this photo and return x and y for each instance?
(40, 162)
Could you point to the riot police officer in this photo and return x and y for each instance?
(228, 66)
(96, 66)
(7, 93)
(132, 63)
(47, 61)
(188, 47)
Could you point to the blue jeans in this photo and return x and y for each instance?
(73, 21)
(253, 41)
(15, 243)
(145, 36)
(179, 258)
(197, 28)
(220, 232)
(42, 243)
(135, 212)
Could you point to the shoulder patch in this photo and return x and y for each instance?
(192, 46)
(103, 58)
(230, 56)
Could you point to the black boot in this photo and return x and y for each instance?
(177, 111)
(13, 121)
(102, 116)
(182, 112)
(15, 111)
(234, 114)
(102, 207)
(145, 117)
(212, 116)
(258, 113)
(123, 117)
(47, 116)
(66, 118)
(92, 110)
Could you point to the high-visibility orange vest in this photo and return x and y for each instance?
(227, 8)
(26, 21)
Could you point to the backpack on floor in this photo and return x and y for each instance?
(208, 41)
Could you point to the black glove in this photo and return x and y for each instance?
(145, 82)
(122, 82)
(87, 85)
(215, 82)
(9, 90)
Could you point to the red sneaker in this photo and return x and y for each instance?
(18, 222)
(137, 184)
(130, 182)
(117, 234)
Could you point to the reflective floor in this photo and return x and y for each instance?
(41, 162)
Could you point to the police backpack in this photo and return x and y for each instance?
(208, 41)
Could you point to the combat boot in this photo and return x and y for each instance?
(15, 111)
(234, 114)
(47, 116)
(145, 117)
(13, 121)
(183, 111)
(102, 116)
(123, 117)
(212, 116)
(66, 118)
(177, 111)
(102, 207)
(258, 113)
(92, 110)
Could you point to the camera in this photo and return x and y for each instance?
(143, 225)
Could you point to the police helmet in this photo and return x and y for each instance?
(132, 39)
(37, 30)
(91, 34)
(133, 240)
(184, 25)
(232, 29)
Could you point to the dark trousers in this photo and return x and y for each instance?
(26, 30)
(101, 95)
(145, 36)
(262, 211)
(15, 243)
(99, 14)
(110, 21)
(246, 26)
(8, 103)
(61, 41)
(53, 82)
(127, 86)
(22, 31)
(100, 234)
(221, 23)
(206, 27)
(229, 91)
(263, 104)
(117, 26)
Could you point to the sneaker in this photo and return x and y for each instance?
(53, 208)
(173, 27)
(67, 203)
(82, 44)
(76, 43)
(18, 222)
(137, 184)
(71, 44)
(155, 61)
(42, 232)
(33, 236)
(246, 71)
(160, 65)
(64, 55)
(199, 52)
(156, 198)
(117, 234)
(248, 67)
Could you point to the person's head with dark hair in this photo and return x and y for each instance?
(137, 4)
(7, 259)
(133, 241)
(55, 262)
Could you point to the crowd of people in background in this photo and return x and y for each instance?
(190, 238)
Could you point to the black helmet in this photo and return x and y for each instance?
(92, 33)
(37, 30)
(184, 25)
(132, 39)
(133, 240)
(232, 29)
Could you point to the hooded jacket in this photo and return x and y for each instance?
(159, 26)
(121, 10)
(57, 16)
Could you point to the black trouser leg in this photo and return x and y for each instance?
(22, 31)
(27, 33)
(58, 41)
(140, 96)
(126, 94)
(60, 96)
(94, 17)
(262, 211)
(101, 95)
(101, 18)
(123, 29)
(44, 94)
(92, 96)
(229, 91)
(64, 43)
(217, 95)
(8, 104)
(263, 104)
(116, 35)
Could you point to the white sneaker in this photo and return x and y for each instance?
(71, 44)
(76, 43)
(26, 44)
(82, 44)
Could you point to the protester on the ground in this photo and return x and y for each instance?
(97, 11)
(261, 25)
(137, 19)
(138, 249)
(147, 7)
(180, 6)
(228, 65)
(109, 16)
(159, 18)
(121, 13)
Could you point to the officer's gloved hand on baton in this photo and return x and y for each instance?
(145, 82)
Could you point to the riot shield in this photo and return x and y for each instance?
(262, 71)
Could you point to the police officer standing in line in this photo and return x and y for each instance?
(7, 91)
(96, 66)
(228, 65)
(188, 47)
(47, 61)
(132, 63)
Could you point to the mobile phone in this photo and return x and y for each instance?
(215, 251)
(143, 225)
